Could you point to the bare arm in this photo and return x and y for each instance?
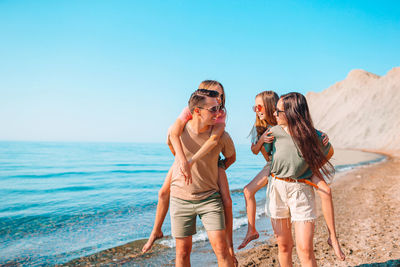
(229, 161)
(170, 146)
(228, 151)
(176, 132)
(216, 134)
(255, 148)
(265, 153)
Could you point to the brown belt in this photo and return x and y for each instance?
(291, 180)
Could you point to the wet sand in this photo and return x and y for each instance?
(367, 213)
(346, 157)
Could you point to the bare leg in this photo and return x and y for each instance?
(249, 195)
(227, 201)
(162, 209)
(220, 247)
(283, 233)
(183, 250)
(325, 194)
(304, 243)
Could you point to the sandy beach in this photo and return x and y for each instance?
(366, 199)
(367, 214)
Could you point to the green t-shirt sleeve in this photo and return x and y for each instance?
(268, 147)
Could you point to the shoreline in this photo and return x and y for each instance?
(367, 215)
(130, 254)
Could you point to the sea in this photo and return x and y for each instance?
(64, 200)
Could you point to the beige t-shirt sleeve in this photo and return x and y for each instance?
(228, 148)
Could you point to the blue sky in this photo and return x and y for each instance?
(123, 70)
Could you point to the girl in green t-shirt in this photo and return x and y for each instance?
(265, 108)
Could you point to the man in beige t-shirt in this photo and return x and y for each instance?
(201, 197)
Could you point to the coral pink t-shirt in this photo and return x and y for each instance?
(185, 116)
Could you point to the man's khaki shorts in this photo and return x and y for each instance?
(184, 212)
(290, 200)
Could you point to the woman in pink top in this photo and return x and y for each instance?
(184, 165)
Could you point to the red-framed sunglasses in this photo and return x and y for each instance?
(258, 108)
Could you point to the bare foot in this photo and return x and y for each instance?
(235, 261)
(232, 253)
(336, 247)
(152, 239)
(249, 237)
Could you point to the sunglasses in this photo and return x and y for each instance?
(258, 108)
(279, 111)
(213, 109)
(206, 92)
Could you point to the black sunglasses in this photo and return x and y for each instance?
(213, 109)
(277, 112)
(206, 92)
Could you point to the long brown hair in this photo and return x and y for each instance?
(269, 98)
(212, 85)
(304, 135)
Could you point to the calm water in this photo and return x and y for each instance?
(60, 201)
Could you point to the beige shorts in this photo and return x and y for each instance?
(290, 200)
(184, 212)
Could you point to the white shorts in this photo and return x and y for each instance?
(290, 200)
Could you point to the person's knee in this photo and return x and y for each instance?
(304, 251)
(328, 191)
(247, 192)
(285, 247)
(221, 250)
(325, 192)
(183, 252)
(325, 188)
(163, 193)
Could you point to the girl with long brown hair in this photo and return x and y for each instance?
(185, 164)
(265, 105)
(298, 158)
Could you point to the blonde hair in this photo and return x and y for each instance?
(269, 98)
